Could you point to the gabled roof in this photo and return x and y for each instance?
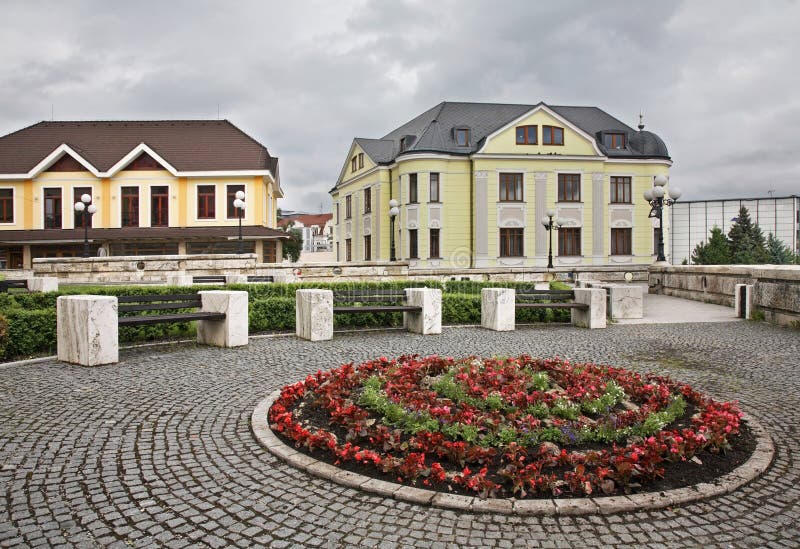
(432, 131)
(184, 145)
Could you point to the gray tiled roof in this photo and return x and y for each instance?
(432, 131)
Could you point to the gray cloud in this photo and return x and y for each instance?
(715, 79)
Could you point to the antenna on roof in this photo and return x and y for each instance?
(641, 120)
(51, 112)
(217, 110)
(771, 193)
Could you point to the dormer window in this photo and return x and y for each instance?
(406, 141)
(461, 136)
(402, 144)
(353, 164)
(614, 140)
(526, 135)
(552, 135)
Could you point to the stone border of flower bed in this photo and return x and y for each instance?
(748, 471)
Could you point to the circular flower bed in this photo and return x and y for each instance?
(502, 427)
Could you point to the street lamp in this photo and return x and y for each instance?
(87, 210)
(238, 205)
(394, 211)
(551, 225)
(655, 197)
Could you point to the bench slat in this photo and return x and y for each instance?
(258, 278)
(157, 298)
(552, 306)
(159, 306)
(382, 309)
(210, 278)
(179, 317)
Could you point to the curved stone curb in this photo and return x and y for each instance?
(748, 471)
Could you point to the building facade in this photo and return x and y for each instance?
(316, 230)
(159, 187)
(474, 182)
(692, 221)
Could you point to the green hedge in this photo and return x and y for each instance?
(28, 320)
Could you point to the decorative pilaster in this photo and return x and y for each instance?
(541, 212)
(481, 214)
(598, 216)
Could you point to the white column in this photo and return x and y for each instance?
(498, 309)
(43, 284)
(429, 320)
(233, 331)
(598, 220)
(87, 330)
(314, 314)
(595, 315)
(541, 212)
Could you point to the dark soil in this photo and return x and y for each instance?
(704, 467)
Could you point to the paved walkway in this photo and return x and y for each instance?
(664, 309)
(157, 451)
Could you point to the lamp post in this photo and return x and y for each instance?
(87, 210)
(655, 197)
(550, 224)
(238, 204)
(394, 211)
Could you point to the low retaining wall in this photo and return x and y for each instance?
(155, 269)
(776, 288)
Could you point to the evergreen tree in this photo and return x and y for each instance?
(715, 252)
(747, 243)
(778, 253)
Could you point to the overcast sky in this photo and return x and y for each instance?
(718, 81)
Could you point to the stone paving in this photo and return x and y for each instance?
(157, 451)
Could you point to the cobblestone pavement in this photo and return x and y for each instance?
(157, 451)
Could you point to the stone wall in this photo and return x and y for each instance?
(155, 269)
(776, 287)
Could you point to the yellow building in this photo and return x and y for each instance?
(164, 187)
(474, 181)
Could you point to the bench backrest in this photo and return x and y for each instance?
(545, 295)
(369, 296)
(134, 303)
(6, 285)
(205, 279)
(260, 278)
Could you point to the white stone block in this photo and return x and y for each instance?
(235, 279)
(746, 300)
(625, 301)
(43, 284)
(179, 280)
(231, 332)
(595, 315)
(498, 309)
(86, 328)
(429, 320)
(314, 314)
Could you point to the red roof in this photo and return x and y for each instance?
(187, 145)
(307, 219)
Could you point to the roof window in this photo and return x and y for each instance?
(461, 136)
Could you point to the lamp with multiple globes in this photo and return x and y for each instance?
(238, 204)
(87, 210)
(655, 197)
(394, 211)
(551, 225)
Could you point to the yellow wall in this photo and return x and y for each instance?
(505, 142)
(106, 195)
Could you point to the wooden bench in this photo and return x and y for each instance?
(87, 326)
(372, 301)
(260, 278)
(6, 285)
(208, 279)
(157, 303)
(547, 299)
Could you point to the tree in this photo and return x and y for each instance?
(778, 252)
(715, 252)
(746, 240)
(294, 245)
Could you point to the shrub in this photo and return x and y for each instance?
(3, 335)
(30, 332)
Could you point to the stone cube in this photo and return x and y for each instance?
(595, 315)
(498, 309)
(233, 330)
(314, 314)
(86, 328)
(429, 320)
